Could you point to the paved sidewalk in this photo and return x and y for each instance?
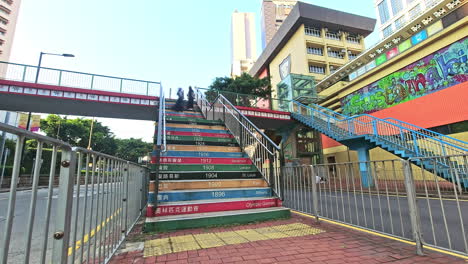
(296, 240)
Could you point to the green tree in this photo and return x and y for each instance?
(133, 148)
(76, 133)
(244, 84)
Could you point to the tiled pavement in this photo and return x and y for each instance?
(335, 245)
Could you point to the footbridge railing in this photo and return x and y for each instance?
(73, 79)
(82, 213)
(401, 138)
(263, 152)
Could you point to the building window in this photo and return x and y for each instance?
(352, 39)
(332, 35)
(397, 6)
(335, 54)
(333, 69)
(4, 10)
(317, 69)
(315, 51)
(310, 31)
(400, 22)
(352, 55)
(383, 12)
(387, 31)
(431, 3)
(2, 33)
(415, 11)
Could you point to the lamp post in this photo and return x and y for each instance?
(37, 75)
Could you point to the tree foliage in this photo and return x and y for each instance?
(244, 84)
(76, 133)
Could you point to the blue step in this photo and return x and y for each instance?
(207, 194)
(203, 154)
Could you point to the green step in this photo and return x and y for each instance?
(204, 167)
(162, 224)
(192, 120)
(199, 139)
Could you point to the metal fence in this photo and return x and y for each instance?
(402, 200)
(82, 218)
(73, 79)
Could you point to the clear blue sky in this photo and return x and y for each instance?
(180, 43)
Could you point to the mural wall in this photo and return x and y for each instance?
(440, 70)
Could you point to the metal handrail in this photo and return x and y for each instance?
(374, 121)
(11, 72)
(258, 146)
(401, 138)
(220, 96)
(114, 198)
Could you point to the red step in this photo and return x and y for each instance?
(190, 160)
(207, 207)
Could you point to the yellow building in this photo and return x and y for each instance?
(312, 41)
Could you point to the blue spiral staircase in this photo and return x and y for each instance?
(432, 151)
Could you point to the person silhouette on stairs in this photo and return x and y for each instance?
(179, 105)
(191, 97)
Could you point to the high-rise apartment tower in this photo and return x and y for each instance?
(274, 12)
(8, 15)
(243, 42)
(394, 14)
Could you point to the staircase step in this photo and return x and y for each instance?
(200, 139)
(204, 160)
(194, 126)
(168, 223)
(197, 130)
(203, 154)
(203, 143)
(198, 134)
(207, 184)
(202, 148)
(202, 175)
(184, 113)
(191, 120)
(205, 168)
(207, 206)
(206, 194)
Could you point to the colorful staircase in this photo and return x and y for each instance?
(423, 147)
(205, 179)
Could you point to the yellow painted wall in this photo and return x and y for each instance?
(295, 47)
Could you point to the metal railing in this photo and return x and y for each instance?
(82, 215)
(411, 140)
(27, 73)
(263, 152)
(247, 100)
(160, 146)
(409, 202)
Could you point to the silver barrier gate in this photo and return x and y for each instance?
(427, 204)
(78, 205)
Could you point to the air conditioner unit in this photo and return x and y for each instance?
(329, 49)
(343, 51)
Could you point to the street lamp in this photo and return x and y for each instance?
(37, 75)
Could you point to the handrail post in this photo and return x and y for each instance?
(64, 207)
(415, 142)
(374, 127)
(92, 82)
(413, 207)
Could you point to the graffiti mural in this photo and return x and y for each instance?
(440, 70)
